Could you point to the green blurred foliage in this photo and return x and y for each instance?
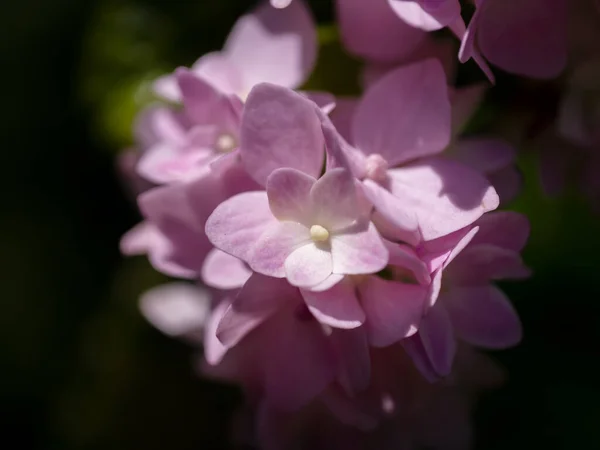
(80, 369)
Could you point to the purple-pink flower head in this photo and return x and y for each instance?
(275, 45)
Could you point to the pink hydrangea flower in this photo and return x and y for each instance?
(522, 37)
(275, 45)
(465, 304)
(398, 127)
(186, 142)
(300, 228)
(175, 215)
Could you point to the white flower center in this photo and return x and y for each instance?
(319, 233)
(225, 143)
(376, 167)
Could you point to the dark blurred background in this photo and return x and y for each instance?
(79, 367)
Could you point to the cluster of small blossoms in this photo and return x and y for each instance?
(341, 254)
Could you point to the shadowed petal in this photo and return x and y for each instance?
(337, 307)
(258, 299)
(223, 271)
(445, 195)
(483, 316)
(393, 309)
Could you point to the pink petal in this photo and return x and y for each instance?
(393, 309)
(467, 45)
(214, 350)
(428, 15)
(289, 195)
(237, 223)
(146, 238)
(280, 128)
(343, 114)
(484, 262)
(324, 100)
(437, 252)
(274, 45)
(393, 219)
(179, 211)
(337, 307)
(165, 164)
(281, 3)
(278, 241)
(308, 266)
(258, 300)
(157, 124)
(483, 316)
(505, 229)
(334, 201)
(204, 104)
(339, 152)
(358, 251)
(177, 309)
(525, 38)
(405, 257)
(222, 73)
(405, 115)
(223, 271)
(371, 30)
(445, 195)
(437, 337)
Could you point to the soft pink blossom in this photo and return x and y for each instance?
(399, 126)
(275, 45)
(300, 228)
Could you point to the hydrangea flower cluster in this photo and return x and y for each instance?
(342, 253)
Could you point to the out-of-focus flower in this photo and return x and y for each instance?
(524, 37)
(399, 410)
(274, 45)
(372, 31)
(185, 142)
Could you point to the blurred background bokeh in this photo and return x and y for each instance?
(81, 369)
